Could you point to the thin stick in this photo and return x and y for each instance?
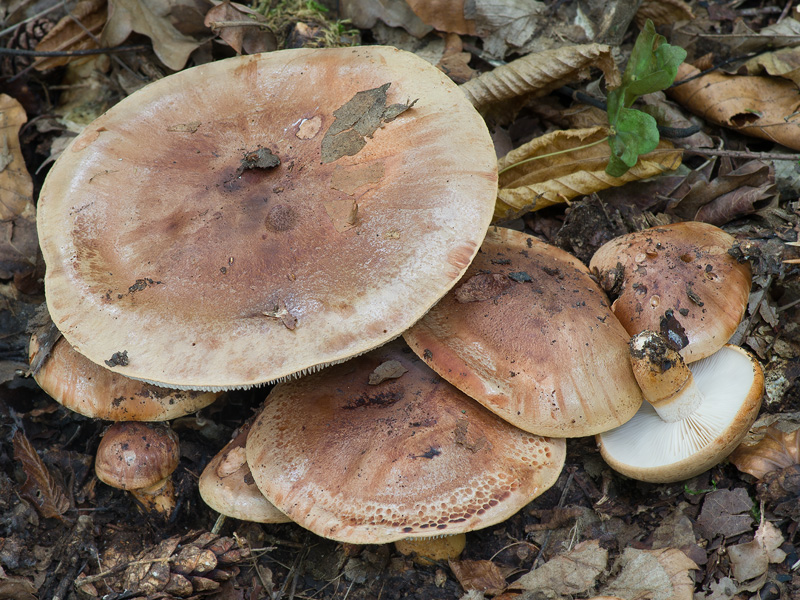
(120, 567)
(742, 154)
(86, 52)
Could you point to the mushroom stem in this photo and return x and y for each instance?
(427, 551)
(666, 382)
(158, 498)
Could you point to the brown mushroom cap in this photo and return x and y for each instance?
(93, 391)
(168, 226)
(529, 335)
(408, 457)
(134, 456)
(227, 486)
(678, 279)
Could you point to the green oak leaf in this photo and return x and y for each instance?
(636, 133)
(653, 66)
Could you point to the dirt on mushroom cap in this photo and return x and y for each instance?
(530, 336)
(207, 275)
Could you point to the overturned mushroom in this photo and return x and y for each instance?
(140, 458)
(256, 217)
(695, 414)
(408, 457)
(529, 335)
(680, 280)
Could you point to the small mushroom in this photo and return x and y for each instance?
(140, 458)
(87, 388)
(680, 280)
(409, 457)
(257, 217)
(530, 335)
(228, 487)
(695, 414)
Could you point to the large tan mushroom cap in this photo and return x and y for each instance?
(677, 279)
(176, 251)
(80, 385)
(408, 457)
(531, 337)
(228, 487)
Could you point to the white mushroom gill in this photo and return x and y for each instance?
(648, 441)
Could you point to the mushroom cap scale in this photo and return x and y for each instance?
(93, 391)
(678, 279)
(408, 457)
(649, 449)
(529, 334)
(227, 486)
(166, 226)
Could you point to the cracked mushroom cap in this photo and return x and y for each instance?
(264, 215)
(409, 456)
(228, 487)
(648, 448)
(80, 385)
(677, 279)
(528, 334)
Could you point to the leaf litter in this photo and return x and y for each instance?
(704, 536)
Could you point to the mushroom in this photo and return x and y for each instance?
(265, 215)
(529, 335)
(679, 279)
(140, 458)
(227, 486)
(406, 456)
(695, 414)
(80, 385)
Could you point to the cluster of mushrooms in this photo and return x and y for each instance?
(287, 217)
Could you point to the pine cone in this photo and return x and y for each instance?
(178, 567)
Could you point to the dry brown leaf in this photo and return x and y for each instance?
(73, 32)
(364, 14)
(539, 74)
(573, 572)
(479, 575)
(663, 12)
(40, 487)
(249, 39)
(18, 241)
(16, 588)
(150, 18)
(555, 179)
(661, 574)
(776, 450)
(725, 513)
(443, 15)
(752, 559)
(764, 107)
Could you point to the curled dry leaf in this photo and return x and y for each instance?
(573, 572)
(40, 487)
(763, 107)
(661, 574)
(18, 242)
(559, 178)
(539, 74)
(76, 31)
(776, 450)
(150, 18)
(663, 12)
(480, 575)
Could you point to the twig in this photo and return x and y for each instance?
(86, 52)
(741, 154)
(221, 24)
(560, 505)
(120, 567)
